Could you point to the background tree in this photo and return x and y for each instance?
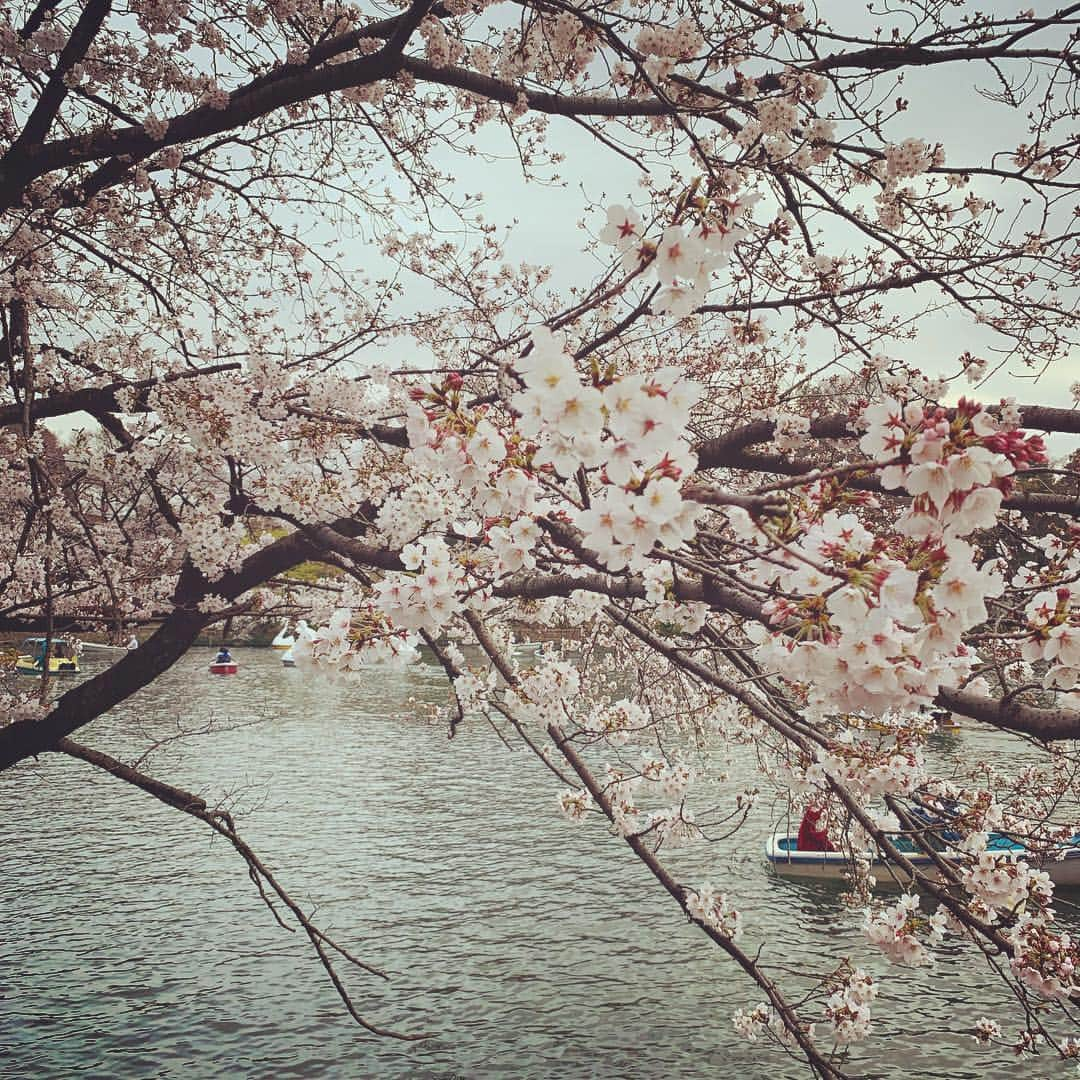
(777, 533)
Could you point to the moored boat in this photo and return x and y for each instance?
(63, 657)
(782, 851)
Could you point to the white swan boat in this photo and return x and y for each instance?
(283, 640)
(782, 851)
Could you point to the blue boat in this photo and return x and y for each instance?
(782, 851)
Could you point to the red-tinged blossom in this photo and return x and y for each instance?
(1021, 449)
(668, 468)
(967, 408)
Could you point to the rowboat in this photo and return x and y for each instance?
(782, 851)
(63, 659)
(224, 669)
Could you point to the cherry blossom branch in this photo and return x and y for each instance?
(103, 399)
(719, 451)
(82, 704)
(678, 892)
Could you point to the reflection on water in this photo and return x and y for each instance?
(133, 946)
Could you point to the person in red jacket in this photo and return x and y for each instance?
(811, 837)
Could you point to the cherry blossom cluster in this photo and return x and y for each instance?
(462, 467)
(1058, 561)
(667, 614)
(617, 723)
(351, 642)
(894, 930)
(876, 624)
(902, 161)
(750, 1025)
(791, 430)
(471, 688)
(847, 1008)
(957, 467)
(559, 47)
(673, 826)
(215, 548)
(575, 805)
(710, 907)
(634, 427)
(679, 42)
(425, 595)
(910, 158)
(18, 706)
(441, 50)
(1004, 882)
(868, 769)
(1053, 625)
(543, 695)
(848, 612)
(688, 251)
(1046, 961)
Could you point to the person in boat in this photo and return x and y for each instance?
(812, 837)
(936, 814)
(223, 656)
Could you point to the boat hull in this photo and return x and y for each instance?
(782, 852)
(223, 669)
(25, 665)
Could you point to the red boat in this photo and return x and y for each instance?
(224, 669)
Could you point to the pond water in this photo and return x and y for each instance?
(134, 946)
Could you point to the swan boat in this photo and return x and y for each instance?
(63, 658)
(782, 851)
(283, 640)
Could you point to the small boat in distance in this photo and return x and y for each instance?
(782, 851)
(287, 658)
(223, 663)
(63, 657)
(283, 640)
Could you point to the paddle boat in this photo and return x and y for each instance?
(782, 851)
(63, 657)
(223, 664)
(283, 640)
(287, 658)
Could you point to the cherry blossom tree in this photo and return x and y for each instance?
(695, 445)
